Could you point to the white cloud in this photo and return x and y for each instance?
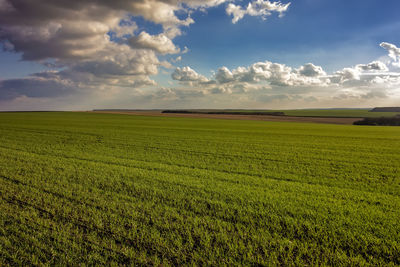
(262, 8)
(186, 74)
(310, 70)
(159, 43)
(373, 66)
(394, 52)
(273, 74)
(177, 59)
(224, 75)
(365, 75)
(347, 74)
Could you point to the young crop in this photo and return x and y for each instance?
(104, 189)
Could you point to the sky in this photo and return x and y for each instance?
(155, 54)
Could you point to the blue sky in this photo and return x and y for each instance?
(146, 63)
(322, 32)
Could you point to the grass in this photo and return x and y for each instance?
(106, 189)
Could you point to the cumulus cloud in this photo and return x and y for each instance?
(159, 43)
(347, 74)
(224, 75)
(273, 74)
(262, 8)
(366, 75)
(68, 22)
(394, 52)
(310, 70)
(187, 74)
(119, 60)
(65, 30)
(373, 66)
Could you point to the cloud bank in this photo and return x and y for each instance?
(268, 82)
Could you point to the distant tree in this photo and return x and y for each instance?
(383, 121)
(386, 109)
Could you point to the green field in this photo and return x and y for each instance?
(97, 189)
